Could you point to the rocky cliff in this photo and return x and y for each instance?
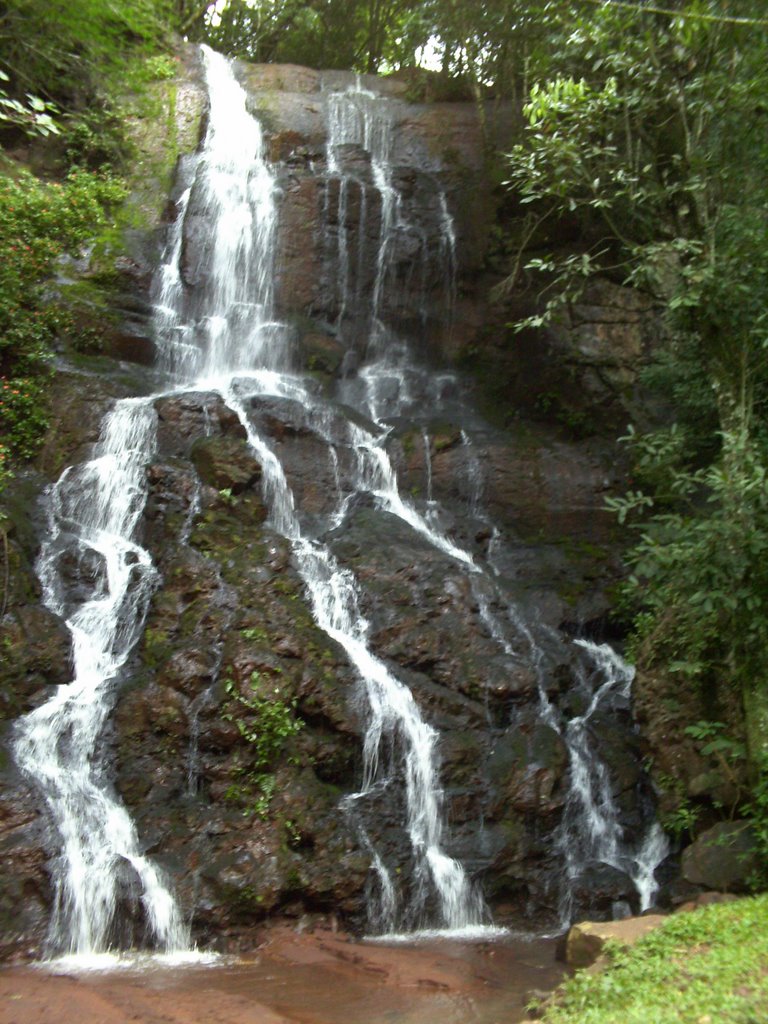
(244, 832)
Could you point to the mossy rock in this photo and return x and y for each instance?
(226, 463)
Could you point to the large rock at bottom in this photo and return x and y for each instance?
(723, 857)
(586, 940)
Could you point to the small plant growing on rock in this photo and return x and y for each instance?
(255, 634)
(269, 720)
(265, 723)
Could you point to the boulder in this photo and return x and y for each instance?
(599, 888)
(585, 941)
(705, 899)
(724, 857)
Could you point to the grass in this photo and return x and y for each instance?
(705, 967)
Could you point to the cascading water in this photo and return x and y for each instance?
(590, 831)
(93, 517)
(221, 335)
(247, 356)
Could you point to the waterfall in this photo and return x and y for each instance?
(221, 334)
(226, 339)
(238, 362)
(590, 831)
(94, 511)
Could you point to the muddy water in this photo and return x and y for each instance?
(321, 978)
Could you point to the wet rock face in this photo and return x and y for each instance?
(243, 836)
(528, 767)
(242, 832)
(35, 657)
(599, 888)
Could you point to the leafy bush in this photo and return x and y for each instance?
(699, 578)
(643, 135)
(22, 413)
(160, 68)
(40, 222)
(66, 52)
(265, 721)
(32, 114)
(95, 138)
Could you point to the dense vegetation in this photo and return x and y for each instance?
(64, 70)
(652, 132)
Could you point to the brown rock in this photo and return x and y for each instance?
(189, 671)
(527, 766)
(226, 463)
(705, 899)
(585, 941)
(298, 264)
(723, 857)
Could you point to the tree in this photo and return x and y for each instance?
(357, 34)
(650, 131)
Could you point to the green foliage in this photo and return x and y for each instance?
(646, 134)
(31, 114)
(757, 809)
(681, 822)
(697, 968)
(78, 62)
(22, 414)
(700, 577)
(495, 43)
(159, 68)
(359, 34)
(95, 137)
(253, 791)
(727, 754)
(715, 741)
(255, 633)
(40, 222)
(264, 721)
(63, 52)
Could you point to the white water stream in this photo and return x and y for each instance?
(590, 831)
(222, 336)
(93, 516)
(235, 361)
